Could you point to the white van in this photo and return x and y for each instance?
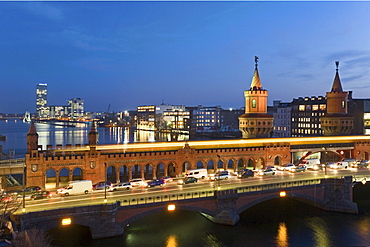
(76, 187)
(197, 173)
(311, 164)
(339, 165)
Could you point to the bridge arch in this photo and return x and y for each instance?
(199, 165)
(148, 171)
(185, 166)
(63, 177)
(50, 178)
(123, 173)
(77, 174)
(297, 196)
(136, 171)
(159, 170)
(171, 169)
(210, 166)
(163, 208)
(111, 174)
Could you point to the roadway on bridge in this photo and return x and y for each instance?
(97, 197)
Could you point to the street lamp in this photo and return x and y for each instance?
(105, 183)
(23, 188)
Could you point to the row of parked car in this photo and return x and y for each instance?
(30, 193)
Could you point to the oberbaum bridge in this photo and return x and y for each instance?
(55, 166)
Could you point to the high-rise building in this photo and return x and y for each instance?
(75, 108)
(282, 119)
(41, 100)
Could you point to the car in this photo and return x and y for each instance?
(219, 175)
(123, 185)
(41, 195)
(286, 167)
(271, 167)
(167, 179)
(246, 174)
(300, 168)
(361, 163)
(28, 191)
(137, 182)
(265, 172)
(156, 182)
(188, 180)
(101, 185)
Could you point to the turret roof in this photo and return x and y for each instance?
(337, 85)
(256, 81)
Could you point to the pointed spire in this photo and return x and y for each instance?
(32, 129)
(337, 85)
(256, 82)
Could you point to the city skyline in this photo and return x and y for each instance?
(127, 54)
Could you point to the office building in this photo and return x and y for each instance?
(42, 110)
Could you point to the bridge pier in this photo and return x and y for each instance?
(226, 213)
(338, 195)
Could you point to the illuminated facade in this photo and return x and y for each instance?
(207, 119)
(75, 108)
(306, 113)
(42, 110)
(256, 123)
(282, 119)
(360, 110)
(336, 121)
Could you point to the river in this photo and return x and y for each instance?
(280, 222)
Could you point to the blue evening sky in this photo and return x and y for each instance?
(184, 53)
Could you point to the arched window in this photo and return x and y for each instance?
(254, 103)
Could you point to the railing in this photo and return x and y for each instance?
(20, 161)
(210, 193)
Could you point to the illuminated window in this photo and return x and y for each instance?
(301, 107)
(315, 107)
(254, 103)
(343, 104)
(322, 107)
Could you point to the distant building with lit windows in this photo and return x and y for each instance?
(76, 108)
(207, 119)
(42, 110)
(306, 113)
(282, 119)
(56, 111)
(360, 110)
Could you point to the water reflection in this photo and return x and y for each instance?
(171, 241)
(320, 231)
(282, 236)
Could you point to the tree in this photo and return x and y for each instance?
(32, 238)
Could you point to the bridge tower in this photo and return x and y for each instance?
(336, 120)
(256, 123)
(32, 138)
(93, 135)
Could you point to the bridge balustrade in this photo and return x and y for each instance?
(211, 193)
(20, 161)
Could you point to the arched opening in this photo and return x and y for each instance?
(111, 174)
(210, 166)
(185, 166)
(136, 171)
(277, 161)
(148, 171)
(50, 179)
(63, 177)
(123, 173)
(220, 164)
(251, 164)
(199, 165)
(171, 170)
(77, 174)
(160, 170)
(240, 164)
(230, 165)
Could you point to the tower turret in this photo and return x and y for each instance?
(93, 135)
(256, 123)
(336, 120)
(32, 138)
